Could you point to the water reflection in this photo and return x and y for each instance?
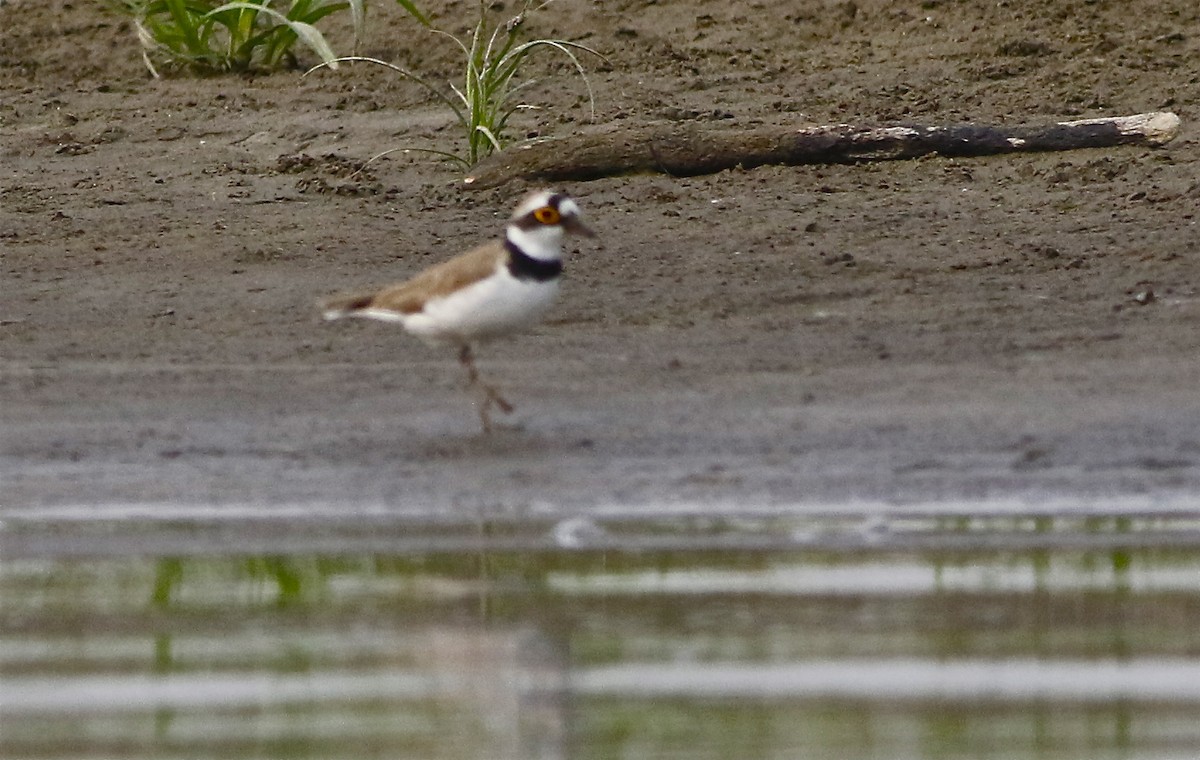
(867, 653)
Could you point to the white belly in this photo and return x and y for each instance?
(494, 306)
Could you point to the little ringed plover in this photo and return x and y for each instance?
(499, 288)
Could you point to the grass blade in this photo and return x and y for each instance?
(358, 16)
(304, 31)
(489, 135)
(564, 47)
(413, 11)
(399, 70)
(186, 25)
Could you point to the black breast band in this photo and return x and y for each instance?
(525, 267)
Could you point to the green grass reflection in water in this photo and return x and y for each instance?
(1006, 655)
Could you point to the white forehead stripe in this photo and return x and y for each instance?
(569, 207)
(533, 201)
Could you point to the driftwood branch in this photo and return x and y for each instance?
(686, 150)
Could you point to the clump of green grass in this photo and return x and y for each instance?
(492, 59)
(211, 35)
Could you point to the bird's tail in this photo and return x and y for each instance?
(345, 306)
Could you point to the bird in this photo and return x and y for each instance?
(498, 288)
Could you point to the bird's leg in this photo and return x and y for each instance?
(490, 394)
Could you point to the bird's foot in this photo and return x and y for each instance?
(494, 396)
(491, 398)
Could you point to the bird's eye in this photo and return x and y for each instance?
(547, 215)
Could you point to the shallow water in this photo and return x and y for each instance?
(914, 637)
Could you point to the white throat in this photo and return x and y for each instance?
(541, 243)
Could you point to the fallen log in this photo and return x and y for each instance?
(687, 150)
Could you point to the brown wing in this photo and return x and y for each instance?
(409, 297)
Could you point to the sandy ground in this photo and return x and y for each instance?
(1019, 330)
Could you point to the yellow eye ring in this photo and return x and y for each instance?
(547, 215)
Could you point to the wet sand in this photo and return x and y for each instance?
(1015, 331)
